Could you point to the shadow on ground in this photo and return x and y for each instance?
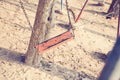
(28, 6)
(65, 26)
(96, 12)
(105, 2)
(100, 34)
(99, 56)
(47, 67)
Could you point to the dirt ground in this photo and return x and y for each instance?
(79, 59)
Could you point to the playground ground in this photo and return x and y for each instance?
(82, 57)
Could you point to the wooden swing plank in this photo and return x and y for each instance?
(53, 42)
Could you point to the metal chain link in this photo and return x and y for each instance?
(22, 6)
(26, 16)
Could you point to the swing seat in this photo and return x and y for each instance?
(55, 41)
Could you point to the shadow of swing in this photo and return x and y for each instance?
(100, 34)
(28, 6)
(105, 2)
(47, 67)
(94, 12)
(65, 26)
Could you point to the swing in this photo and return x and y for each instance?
(55, 41)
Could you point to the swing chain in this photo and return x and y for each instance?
(26, 16)
(69, 18)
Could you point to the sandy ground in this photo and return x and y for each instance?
(80, 59)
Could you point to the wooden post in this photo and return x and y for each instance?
(42, 24)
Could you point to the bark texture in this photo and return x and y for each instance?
(42, 24)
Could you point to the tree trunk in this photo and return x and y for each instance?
(113, 9)
(42, 24)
